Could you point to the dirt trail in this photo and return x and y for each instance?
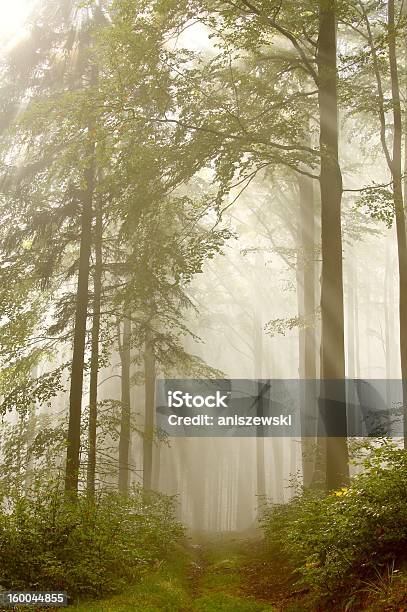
(217, 574)
(218, 578)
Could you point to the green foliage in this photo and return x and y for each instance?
(164, 588)
(31, 450)
(336, 541)
(176, 584)
(282, 326)
(377, 201)
(81, 547)
(19, 390)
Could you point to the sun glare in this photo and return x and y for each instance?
(14, 14)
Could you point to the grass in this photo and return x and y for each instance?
(194, 579)
(165, 588)
(221, 583)
(226, 574)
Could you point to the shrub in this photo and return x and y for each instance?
(81, 547)
(336, 541)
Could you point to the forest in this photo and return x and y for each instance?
(203, 193)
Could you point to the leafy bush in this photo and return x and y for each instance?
(81, 547)
(336, 542)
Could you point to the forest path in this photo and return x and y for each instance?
(218, 577)
(205, 575)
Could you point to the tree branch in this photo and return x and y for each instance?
(286, 33)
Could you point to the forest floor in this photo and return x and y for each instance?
(206, 575)
(227, 573)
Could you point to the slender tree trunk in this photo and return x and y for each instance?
(31, 428)
(396, 172)
(351, 369)
(307, 217)
(351, 340)
(156, 468)
(125, 421)
(219, 494)
(79, 342)
(388, 322)
(245, 493)
(229, 498)
(215, 496)
(357, 327)
(332, 319)
(258, 373)
(149, 370)
(368, 310)
(260, 456)
(198, 473)
(306, 288)
(94, 364)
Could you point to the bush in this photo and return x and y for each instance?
(336, 542)
(81, 547)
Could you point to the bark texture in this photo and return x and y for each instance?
(333, 396)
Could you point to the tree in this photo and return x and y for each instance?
(332, 320)
(242, 142)
(95, 350)
(375, 24)
(125, 422)
(81, 317)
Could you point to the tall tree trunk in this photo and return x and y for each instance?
(307, 344)
(357, 327)
(260, 455)
(396, 172)
(369, 305)
(149, 374)
(198, 473)
(79, 342)
(125, 421)
(245, 493)
(94, 363)
(307, 217)
(229, 497)
(388, 322)
(156, 468)
(351, 369)
(31, 428)
(351, 340)
(258, 373)
(332, 319)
